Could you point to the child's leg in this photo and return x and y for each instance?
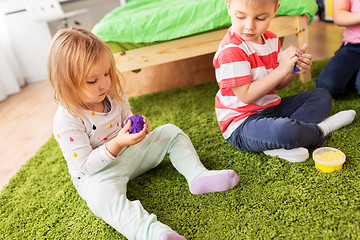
(311, 106)
(185, 159)
(337, 121)
(105, 191)
(284, 137)
(267, 133)
(214, 181)
(357, 81)
(171, 236)
(338, 76)
(170, 140)
(105, 195)
(302, 107)
(291, 124)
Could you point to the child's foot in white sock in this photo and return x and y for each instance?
(292, 155)
(214, 181)
(337, 121)
(171, 236)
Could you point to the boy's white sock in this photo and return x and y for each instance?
(337, 121)
(292, 155)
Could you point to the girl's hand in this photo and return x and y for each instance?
(288, 59)
(305, 60)
(124, 138)
(146, 124)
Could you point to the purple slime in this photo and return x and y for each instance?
(137, 123)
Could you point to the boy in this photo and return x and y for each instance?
(250, 66)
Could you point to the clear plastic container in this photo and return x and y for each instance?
(328, 159)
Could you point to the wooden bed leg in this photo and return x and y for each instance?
(302, 37)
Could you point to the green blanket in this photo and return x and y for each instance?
(147, 21)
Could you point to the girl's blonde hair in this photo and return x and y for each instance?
(73, 52)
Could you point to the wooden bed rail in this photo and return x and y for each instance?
(203, 44)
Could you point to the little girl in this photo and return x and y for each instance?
(101, 154)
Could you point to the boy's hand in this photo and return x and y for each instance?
(288, 58)
(305, 60)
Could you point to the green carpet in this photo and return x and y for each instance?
(274, 198)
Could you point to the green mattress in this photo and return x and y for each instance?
(146, 22)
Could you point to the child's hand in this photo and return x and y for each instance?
(288, 58)
(146, 124)
(305, 60)
(124, 138)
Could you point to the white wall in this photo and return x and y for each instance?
(11, 77)
(30, 40)
(97, 10)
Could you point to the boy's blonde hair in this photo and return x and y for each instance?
(260, 2)
(73, 52)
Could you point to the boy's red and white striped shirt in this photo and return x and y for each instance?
(238, 62)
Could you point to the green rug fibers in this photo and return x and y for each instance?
(274, 198)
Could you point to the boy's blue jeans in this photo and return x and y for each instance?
(341, 74)
(291, 124)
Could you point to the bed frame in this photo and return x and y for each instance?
(197, 45)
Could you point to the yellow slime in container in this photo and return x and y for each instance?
(328, 159)
(330, 156)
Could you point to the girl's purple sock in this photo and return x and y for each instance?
(214, 181)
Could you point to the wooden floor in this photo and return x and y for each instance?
(26, 117)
